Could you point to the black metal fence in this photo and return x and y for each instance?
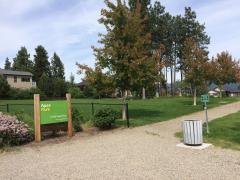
(87, 110)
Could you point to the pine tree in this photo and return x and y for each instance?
(41, 63)
(57, 67)
(4, 87)
(22, 61)
(45, 84)
(7, 64)
(72, 79)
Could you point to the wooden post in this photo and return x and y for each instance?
(70, 131)
(37, 123)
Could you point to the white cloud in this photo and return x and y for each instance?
(71, 29)
(67, 30)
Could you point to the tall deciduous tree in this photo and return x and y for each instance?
(195, 66)
(127, 46)
(7, 64)
(57, 67)
(101, 82)
(41, 63)
(224, 70)
(22, 61)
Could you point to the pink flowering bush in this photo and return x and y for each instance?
(13, 131)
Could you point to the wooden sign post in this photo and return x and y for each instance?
(37, 123)
(69, 103)
(52, 115)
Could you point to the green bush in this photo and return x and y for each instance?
(15, 93)
(75, 92)
(24, 117)
(77, 119)
(104, 118)
(4, 86)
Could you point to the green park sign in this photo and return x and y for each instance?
(204, 98)
(50, 115)
(52, 112)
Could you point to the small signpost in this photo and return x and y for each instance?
(51, 113)
(205, 100)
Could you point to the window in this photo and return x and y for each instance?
(15, 79)
(25, 79)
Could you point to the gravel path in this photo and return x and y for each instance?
(147, 152)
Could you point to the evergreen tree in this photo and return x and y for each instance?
(22, 61)
(57, 67)
(45, 84)
(41, 63)
(59, 87)
(72, 79)
(4, 87)
(7, 64)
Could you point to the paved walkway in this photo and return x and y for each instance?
(147, 152)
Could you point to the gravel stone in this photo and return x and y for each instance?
(142, 153)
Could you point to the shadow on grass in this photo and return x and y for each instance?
(141, 113)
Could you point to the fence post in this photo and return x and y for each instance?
(124, 115)
(127, 114)
(8, 108)
(92, 108)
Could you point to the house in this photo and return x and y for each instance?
(231, 89)
(18, 79)
(82, 85)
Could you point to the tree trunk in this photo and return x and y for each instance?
(143, 93)
(220, 92)
(167, 82)
(195, 97)
(124, 111)
(171, 68)
(180, 94)
(157, 90)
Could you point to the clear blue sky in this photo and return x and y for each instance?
(70, 27)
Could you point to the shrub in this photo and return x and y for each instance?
(4, 86)
(77, 119)
(15, 93)
(13, 131)
(75, 92)
(104, 118)
(24, 117)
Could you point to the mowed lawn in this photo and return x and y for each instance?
(225, 132)
(141, 112)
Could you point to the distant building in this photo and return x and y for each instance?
(18, 79)
(82, 85)
(231, 89)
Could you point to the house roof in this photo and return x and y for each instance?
(83, 83)
(11, 72)
(231, 87)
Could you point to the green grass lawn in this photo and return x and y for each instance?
(225, 132)
(141, 112)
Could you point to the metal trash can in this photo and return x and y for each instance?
(192, 132)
